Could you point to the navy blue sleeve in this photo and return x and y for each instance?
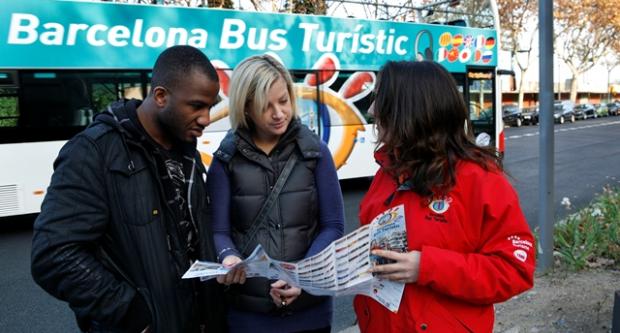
(218, 186)
(331, 206)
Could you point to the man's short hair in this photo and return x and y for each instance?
(177, 62)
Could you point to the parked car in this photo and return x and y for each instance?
(584, 111)
(530, 115)
(601, 110)
(511, 114)
(563, 112)
(613, 108)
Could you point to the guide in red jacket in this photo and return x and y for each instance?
(469, 243)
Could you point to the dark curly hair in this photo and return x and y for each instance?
(421, 117)
(176, 63)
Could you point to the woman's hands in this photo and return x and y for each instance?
(236, 275)
(283, 294)
(405, 269)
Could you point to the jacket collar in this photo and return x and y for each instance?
(122, 116)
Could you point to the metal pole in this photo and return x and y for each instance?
(559, 80)
(615, 319)
(546, 143)
(608, 87)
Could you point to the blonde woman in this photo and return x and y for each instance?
(306, 215)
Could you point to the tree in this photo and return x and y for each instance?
(610, 61)
(220, 4)
(585, 31)
(516, 18)
(316, 7)
(186, 3)
(475, 13)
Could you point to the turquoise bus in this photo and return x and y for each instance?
(63, 61)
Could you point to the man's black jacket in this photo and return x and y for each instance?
(104, 241)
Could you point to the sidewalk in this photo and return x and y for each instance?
(352, 329)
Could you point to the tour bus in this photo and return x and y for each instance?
(62, 62)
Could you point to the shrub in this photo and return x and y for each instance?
(591, 237)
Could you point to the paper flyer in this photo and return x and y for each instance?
(340, 269)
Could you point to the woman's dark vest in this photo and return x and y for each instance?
(292, 223)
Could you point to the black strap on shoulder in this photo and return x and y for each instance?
(261, 217)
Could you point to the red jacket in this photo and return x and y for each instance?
(477, 249)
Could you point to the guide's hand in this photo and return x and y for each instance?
(283, 294)
(405, 269)
(236, 275)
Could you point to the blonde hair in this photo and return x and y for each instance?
(249, 86)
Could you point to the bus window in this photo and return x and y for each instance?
(50, 99)
(9, 113)
(481, 104)
(108, 87)
(38, 105)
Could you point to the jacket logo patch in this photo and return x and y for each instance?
(520, 255)
(441, 205)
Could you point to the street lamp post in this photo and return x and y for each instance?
(546, 138)
(608, 86)
(559, 81)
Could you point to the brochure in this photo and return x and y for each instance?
(340, 269)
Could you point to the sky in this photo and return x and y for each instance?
(594, 80)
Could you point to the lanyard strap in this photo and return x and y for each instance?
(261, 217)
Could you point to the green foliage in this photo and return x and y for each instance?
(591, 237)
(8, 110)
(102, 95)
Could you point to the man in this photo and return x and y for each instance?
(125, 214)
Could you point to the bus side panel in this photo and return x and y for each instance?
(25, 195)
(360, 161)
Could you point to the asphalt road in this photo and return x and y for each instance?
(587, 157)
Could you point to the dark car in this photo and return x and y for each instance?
(563, 112)
(530, 115)
(584, 111)
(511, 114)
(613, 108)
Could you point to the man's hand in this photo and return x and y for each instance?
(405, 269)
(236, 275)
(283, 294)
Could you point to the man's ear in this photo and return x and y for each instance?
(160, 95)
